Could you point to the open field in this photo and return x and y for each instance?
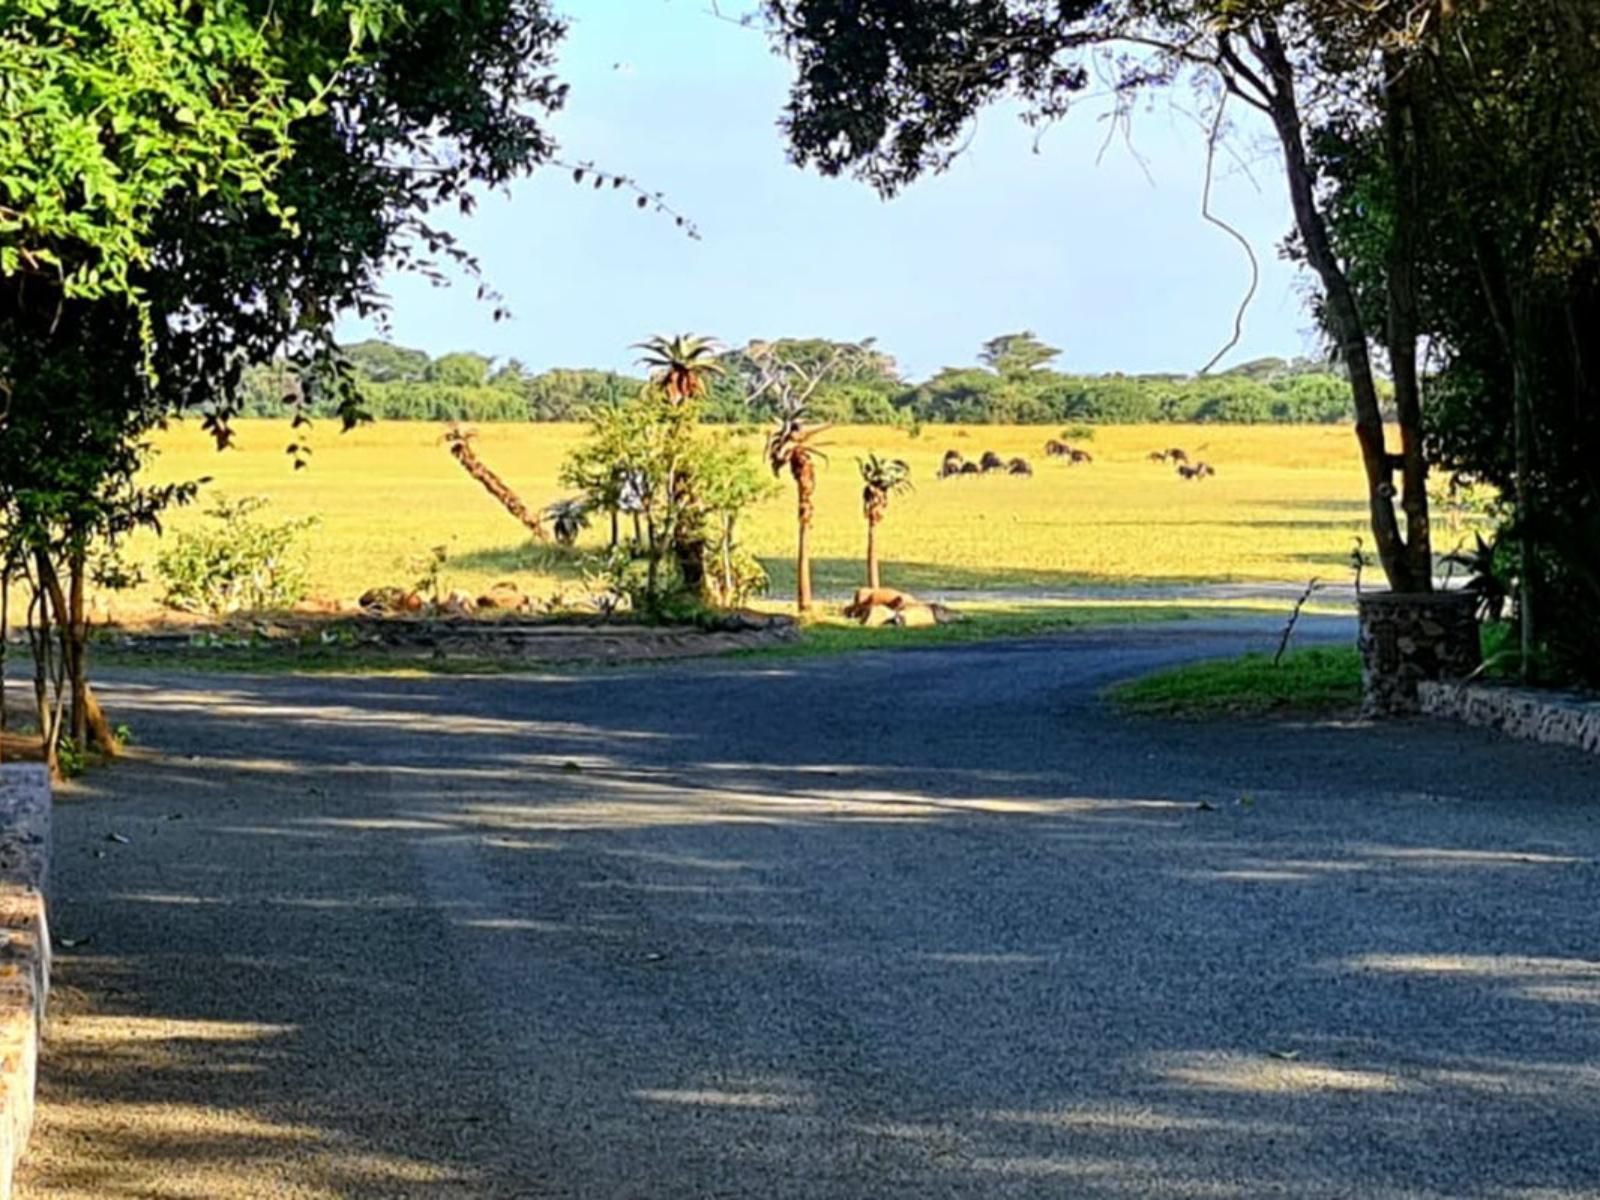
(1285, 504)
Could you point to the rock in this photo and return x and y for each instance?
(458, 604)
(945, 616)
(867, 598)
(916, 616)
(877, 615)
(507, 597)
(383, 599)
(411, 602)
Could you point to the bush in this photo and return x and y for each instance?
(238, 564)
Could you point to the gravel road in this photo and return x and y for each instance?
(928, 924)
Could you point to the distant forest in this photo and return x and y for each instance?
(1014, 383)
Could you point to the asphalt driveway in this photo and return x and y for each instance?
(928, 924)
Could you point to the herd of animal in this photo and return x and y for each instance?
(955, 463)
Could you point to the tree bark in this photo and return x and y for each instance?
(805, 479)
(463, 453)
(873, 580)
(1344, 313)
(87, 719)
(1403, 133)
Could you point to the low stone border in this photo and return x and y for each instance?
(1555, 718)
(24, 953)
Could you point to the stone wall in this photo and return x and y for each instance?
(1406, 640)
(1554, 718)
(24, 952)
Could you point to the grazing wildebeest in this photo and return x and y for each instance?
(1198, 471)
(1055, 449)
(1177, 456)
(1157, 456)
(1019, 466)
(969, 468)
(952, 464)
(1079, 456)
(992, 461)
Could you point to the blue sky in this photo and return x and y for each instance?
(1120, 272)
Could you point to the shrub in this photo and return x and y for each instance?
(237, 564)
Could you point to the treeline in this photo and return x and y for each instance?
(1013, 385)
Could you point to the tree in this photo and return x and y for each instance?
(461, 369)
(459, 440)
(681, 366)
(783, 379)
(880, 478)
(793, 446)
(680, 370)
(1016, 355)
(888, 91)
(198, 190)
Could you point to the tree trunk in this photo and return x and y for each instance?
(1522, 449)
(1402, 127)
(77, 639)
(1344, 314)
(805, 479)
(87, 718)
(873, 580)
(461, 450)
(727, 558)
(615, 526)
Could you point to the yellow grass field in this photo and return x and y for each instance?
(1286, 504)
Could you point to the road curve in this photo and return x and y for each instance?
(925, 924)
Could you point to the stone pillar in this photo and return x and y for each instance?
(1408, 638)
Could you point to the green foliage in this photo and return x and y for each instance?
(237, 564)
(395, 383)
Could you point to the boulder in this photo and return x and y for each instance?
(507, 597)
(916, 616)
(458, 604)
(877, 615)
(867, 598)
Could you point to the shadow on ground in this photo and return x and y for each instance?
(928, 925)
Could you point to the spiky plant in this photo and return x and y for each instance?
(793, 446)
(881, 478)
(681, 366)
(569, 517)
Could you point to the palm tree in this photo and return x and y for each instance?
(681, 366)
(882, 477)
(569, 518)
(793, 445)
(459, 439)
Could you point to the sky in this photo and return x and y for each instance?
(1108, 260)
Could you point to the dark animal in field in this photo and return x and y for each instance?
(992, 461)
(970, 468)
(952, 464)
(1019, 466)
(1075, 457)
(1157, 456)
(1199, 471)
(1177, 456)
(1055, 449)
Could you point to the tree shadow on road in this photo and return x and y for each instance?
(624, 936)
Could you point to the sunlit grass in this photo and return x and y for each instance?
(1315, 680)
(1286, 503)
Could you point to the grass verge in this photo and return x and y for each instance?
(1317, 680)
